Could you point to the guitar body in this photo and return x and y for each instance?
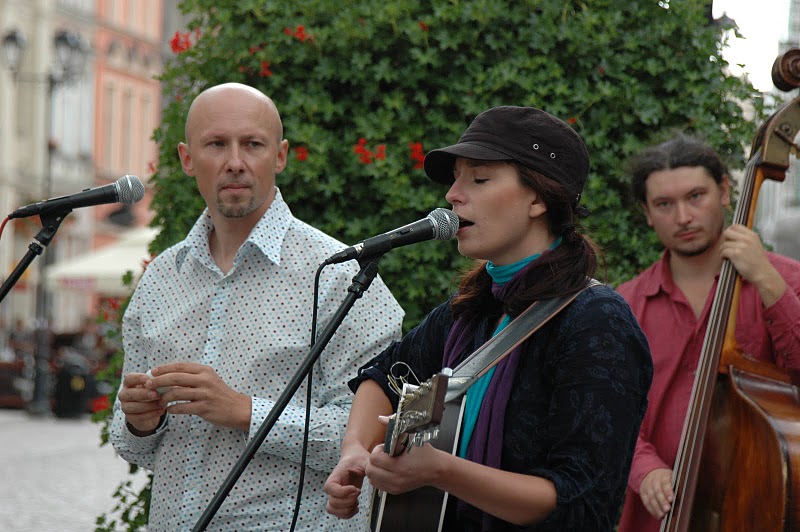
(423, 508)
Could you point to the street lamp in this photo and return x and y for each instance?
(72, 53)
(13, 46)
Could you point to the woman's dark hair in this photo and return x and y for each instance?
(560, 272)
(682, 150)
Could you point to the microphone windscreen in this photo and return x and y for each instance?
(445, 222)
(129, 189)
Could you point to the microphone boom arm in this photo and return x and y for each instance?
(50, 224)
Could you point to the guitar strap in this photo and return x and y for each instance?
(500, 345)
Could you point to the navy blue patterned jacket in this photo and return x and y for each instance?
(578, 399)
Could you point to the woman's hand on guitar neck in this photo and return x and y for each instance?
(421, 466)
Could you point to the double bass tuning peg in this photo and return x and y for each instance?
(786, 70)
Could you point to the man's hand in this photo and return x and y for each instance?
(198, 390)
(656, 492)
(141, 405)
(743, 248)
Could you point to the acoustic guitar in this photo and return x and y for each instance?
(422, 416)
(433, 411)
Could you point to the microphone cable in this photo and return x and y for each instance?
(304, 452)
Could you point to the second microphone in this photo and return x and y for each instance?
(440, 224)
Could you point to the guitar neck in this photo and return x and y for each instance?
(423, 508)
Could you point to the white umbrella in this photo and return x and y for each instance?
(102, 269)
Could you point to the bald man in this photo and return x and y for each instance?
(219, 324)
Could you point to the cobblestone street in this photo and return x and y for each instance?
(54, 476)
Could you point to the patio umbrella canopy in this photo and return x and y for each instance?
(102, 269)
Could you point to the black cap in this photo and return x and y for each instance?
(527, 135)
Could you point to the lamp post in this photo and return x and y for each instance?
(71, 53)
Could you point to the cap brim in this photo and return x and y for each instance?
(439, 163)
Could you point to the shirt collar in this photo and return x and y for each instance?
(658, 278)
(267, 235)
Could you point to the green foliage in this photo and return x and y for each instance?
(625, 73)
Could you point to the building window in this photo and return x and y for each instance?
(126, 131)
(108, 126)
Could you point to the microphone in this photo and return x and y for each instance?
(127, 189)
(440, 224)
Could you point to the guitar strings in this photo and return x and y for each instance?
(397, 380)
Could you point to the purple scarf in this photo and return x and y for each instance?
(486, 444)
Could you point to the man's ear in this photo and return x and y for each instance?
(725, 190)
(646, 212)
(185, 155)
(282, 156)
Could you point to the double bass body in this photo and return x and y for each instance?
(749, 473)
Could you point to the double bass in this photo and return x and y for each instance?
(738, 463)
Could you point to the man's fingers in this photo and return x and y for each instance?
(137, 395)
(657, 501)
(132, 380)
(652, 505)
(178, 367)
(140, 407)
(661, 501)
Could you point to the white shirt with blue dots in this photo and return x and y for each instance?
(252, 326)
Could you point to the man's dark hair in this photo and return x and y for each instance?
(682, 150)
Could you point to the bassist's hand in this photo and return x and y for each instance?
(656, 492)
(344, 483)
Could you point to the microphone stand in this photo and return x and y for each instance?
(362, 280)
(39, 404)
(50, 224)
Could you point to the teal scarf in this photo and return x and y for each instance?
(500, 275)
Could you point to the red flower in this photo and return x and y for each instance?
(298, 33)
(365, 156)
(99, 403)
(417, 155)
(601, 70)
(301, 153)
(571, 120)
(265, 71)
(380, 152)
(151, 167)
(254, 49)
(423, 26)
(180, 42)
